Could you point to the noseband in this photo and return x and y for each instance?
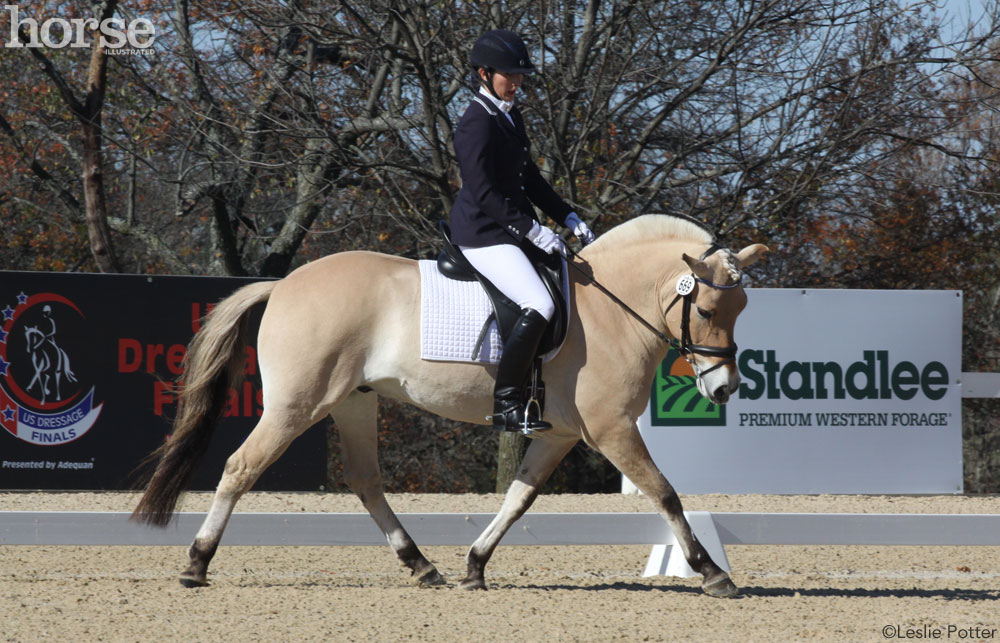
(686, 347)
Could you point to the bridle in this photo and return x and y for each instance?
(685, 347)
(685, 291)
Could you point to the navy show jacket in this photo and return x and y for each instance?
(500, 182)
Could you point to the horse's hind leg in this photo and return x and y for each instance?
(627, 451)
(356, 419)
(268, 440)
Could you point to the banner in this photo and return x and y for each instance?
(88, 365)
(843, 391)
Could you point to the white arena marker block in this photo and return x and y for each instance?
(629, 488)
(668, 559)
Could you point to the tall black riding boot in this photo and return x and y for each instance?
(509, 411)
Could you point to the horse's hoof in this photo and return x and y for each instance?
(431, 578)
(193, 581)
(720, 586)
(471, 584)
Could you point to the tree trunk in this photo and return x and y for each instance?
(313, 180)
(95, 205)
(509, 456)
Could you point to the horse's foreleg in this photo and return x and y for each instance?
(357, 422)
(626, 450)
(266, 442)
(540, 460)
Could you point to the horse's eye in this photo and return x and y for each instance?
(704, 314)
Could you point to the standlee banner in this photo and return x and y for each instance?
(88, 372)
(843, 391)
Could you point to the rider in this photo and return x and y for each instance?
(493, 220)
(50, 333)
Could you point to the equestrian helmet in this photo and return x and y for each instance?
(501, 50)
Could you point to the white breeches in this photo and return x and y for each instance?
(510, 271)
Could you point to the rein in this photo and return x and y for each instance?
(685, 288)
(615, 299)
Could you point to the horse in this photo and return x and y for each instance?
(340, 331)
(51, 363)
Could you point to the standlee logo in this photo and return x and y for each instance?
(675, 400)
(44, 395)
(56, 33)
(874, 377)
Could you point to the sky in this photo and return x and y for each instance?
(960, 11)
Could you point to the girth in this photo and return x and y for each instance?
(453, 264)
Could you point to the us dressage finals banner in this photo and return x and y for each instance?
(843, 391)
(88, 365)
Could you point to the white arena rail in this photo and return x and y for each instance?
(980, 385)
(714, 530)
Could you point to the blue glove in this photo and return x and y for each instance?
(580, 229)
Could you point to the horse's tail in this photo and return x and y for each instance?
(214, 362)
(64, 366)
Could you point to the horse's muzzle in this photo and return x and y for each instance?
(721, 394)
(717, 384)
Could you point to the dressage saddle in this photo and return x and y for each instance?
(453, 264)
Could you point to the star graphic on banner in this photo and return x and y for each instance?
(22, 298)
(8, 414)
(3, 336)
(3, 366)
(8, 313)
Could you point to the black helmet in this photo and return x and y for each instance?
(503, 51)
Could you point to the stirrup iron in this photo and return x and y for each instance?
(525, 429)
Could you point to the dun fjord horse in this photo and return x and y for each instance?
(341, 331)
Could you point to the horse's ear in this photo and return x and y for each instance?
(749, 255)
(697, 266)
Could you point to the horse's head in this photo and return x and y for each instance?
(33, 336)
(702, 306)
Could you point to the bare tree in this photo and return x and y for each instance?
(87, 111)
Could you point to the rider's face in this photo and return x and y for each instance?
(505, 85)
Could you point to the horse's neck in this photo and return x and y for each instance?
(640, 271)
(637, 276)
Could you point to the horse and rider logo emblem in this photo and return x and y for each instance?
(42, 398)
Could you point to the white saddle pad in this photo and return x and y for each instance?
(452, 315)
